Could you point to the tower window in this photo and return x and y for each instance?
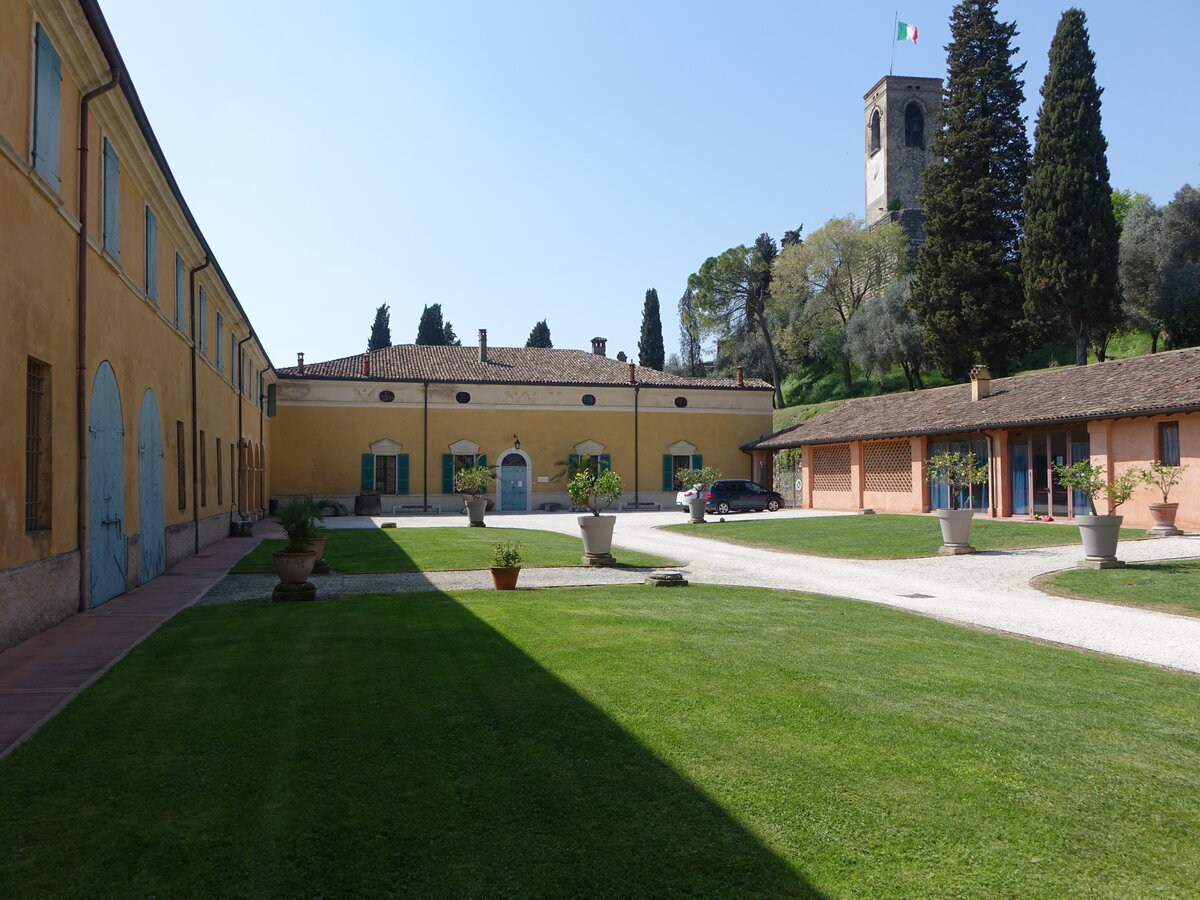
(876, 140)
(914, 126)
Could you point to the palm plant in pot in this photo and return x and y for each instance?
(1099, 533)
(959, 472)
(294, 563)
(596, 491)
(506, 565)
(1163, 477)
(702, 479)
(473, 481)
(317, 542)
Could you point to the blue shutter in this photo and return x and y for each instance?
(220, 343)
(481, 459)
(47, 97)
(572, 463)
(111, 198)
(151, 255)
(668, 472)
(697, 461)
(401, 473)
(447, 473)
(180, 294)
(271, 400)
(605, 462)
(202, 325)
(368, 472)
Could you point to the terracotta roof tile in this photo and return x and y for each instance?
(505, 365)
(1161, 382)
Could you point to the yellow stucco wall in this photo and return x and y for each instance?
(323, 428)
(39, 303)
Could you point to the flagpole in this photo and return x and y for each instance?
(895, 25)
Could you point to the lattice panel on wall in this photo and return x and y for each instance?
(887, 467)
(831, 467)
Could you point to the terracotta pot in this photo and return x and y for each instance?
(505, 577)
(956, 530)
(293, 568)
(317, 546)
(1100, 536)
(475, 511)
(1164, 518)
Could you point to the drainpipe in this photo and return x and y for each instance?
(81, 406)
(425, 451)
(195, 415)
(636, 392)
(238, 393)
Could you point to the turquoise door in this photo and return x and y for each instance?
(106, 496)
(514, 482)
(150, 488)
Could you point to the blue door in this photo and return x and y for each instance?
(150, 488)
(514, 481)
(106, 471)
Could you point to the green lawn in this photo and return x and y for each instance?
(365, 550)
(625, 741)
(1172, 586)
(882, 536)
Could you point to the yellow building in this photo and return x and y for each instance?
(398, 421)
(138, 375)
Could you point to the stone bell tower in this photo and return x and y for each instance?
(900, 116)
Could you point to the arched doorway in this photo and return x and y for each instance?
(150, 488)
(514, 480)
(106, 494)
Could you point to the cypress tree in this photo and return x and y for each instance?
(1070, 251)
(451, 338)
(381, 331)
(431, 331)
(967, 289)
(651, 353)
(539, 336)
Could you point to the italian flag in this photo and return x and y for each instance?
(906, 32)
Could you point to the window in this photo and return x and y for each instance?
(47, 94)
(220, 343)
(220, 483)
(876, 140)
(151, 255)
(180, 294)
(453, 462)
(593, 462)
(462, 397)
(203, 471)
(678, 464)
(589, 399)
(233, 359)
(386, 396)
(1168, 443)
(180, 466)
(37, 446)
(232, 472)
(681, 402)
(202, 325)
(914, 126)
(385, 474)
(111, 205)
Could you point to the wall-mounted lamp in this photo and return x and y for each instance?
(516, 442)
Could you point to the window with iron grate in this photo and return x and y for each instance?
(37, 445)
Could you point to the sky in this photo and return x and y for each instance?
(551, 160)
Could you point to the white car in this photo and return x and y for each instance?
(682, 498)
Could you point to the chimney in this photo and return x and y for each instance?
(300, 362)
(981, 380)
(366, 364)
(598, 346)
(483, 345)
(741, 370)
(632, 374)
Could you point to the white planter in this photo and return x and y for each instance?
(475, 511)
(1100, 536)
(597, 539)
(696, 510)
(956, 531)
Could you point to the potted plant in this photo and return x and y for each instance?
(701, 479)
(294, 563)
(596, 491)
(506, 565)
(959, 471)
(317, 542)
(473, 481)
(1164, 478)
(1100, 533)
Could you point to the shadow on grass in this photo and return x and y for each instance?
(373, 748)
(356, 550)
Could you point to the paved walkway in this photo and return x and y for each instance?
(43, 674)
(40, 676)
